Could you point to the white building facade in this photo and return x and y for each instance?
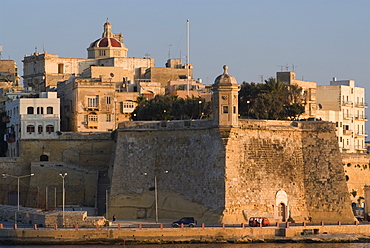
(32, 118)
(344, 103)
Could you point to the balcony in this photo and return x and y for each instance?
(360, 148)
(347, 116)
(6, 119)
(92, 124)
(346, 147)
(347, 132)
(361, 118)
(346, 103)
(361, 105)
(360, 134)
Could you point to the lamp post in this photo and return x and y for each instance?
(18, 180)
(63, 176)
(199, 112)
(248, 102)
(156, 195)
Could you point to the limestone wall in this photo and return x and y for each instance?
(193, 157)
(80, 185)
(230, 174)
(81, 155)
(357, 170)
(84, 149)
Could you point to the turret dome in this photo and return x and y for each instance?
(225, 78)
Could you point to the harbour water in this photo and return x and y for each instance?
(255, 245)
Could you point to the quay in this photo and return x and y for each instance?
(150, 233)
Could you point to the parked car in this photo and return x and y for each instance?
(256, 221)
(187, 221)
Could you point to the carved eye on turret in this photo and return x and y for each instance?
(224, 97)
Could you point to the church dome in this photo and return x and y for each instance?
(225, 79)
(108, 46)
(106, 42)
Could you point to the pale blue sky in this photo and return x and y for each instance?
(322, 38)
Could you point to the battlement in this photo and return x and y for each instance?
(243, 124)
(160, 125)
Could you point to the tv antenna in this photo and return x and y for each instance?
(261, 77)
(288, 68)
(169, 50)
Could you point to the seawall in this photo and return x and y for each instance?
(333, 233)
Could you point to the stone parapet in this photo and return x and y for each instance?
(163, 125)
(49, 218)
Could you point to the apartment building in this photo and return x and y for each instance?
(344, 103)
(31, 117)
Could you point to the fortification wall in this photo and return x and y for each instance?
(230, 174)
(81, 155)
(80, 185)
(191, 152)
(357, 170)
(325, 185)
(84, 149)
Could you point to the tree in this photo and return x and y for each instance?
(272, 100)
(171, 108)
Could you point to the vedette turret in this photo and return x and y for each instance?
(225, 100)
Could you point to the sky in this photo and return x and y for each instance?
(318, 39)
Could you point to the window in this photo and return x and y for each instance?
(109, 118)
(102, 53)
(30, 129)
(60, 68)
(39, 129)
(92, 117)
(30, 110)
(225, 109)
(92, 120)
(40, 110)
(128, 104)
(108, 99)
(44, 157)
(128, 107)
(92, 102)
(49, 128)
(49, 110)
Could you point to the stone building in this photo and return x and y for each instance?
(90, 105)
(9, 80)
(226, 170)
(308, 92)
(99, 92)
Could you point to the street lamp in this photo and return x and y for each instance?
(18, 179)
(156, 195)
(248, 102)
(199, 112)
(63, 176)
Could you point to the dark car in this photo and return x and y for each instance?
(187, 221)
(256, 221)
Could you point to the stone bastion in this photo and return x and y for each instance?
(284, 170)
